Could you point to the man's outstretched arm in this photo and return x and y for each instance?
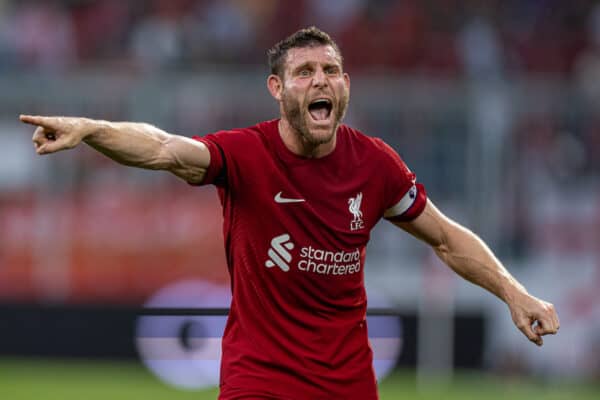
(135, 144)
(469, 256)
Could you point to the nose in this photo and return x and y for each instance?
(320, 78)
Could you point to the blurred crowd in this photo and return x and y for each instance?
(444, 37)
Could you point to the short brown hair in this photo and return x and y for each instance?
(307, 37)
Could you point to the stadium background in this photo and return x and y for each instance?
(494, 104)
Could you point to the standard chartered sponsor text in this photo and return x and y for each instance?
(329, 262)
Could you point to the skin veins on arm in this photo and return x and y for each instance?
(462, 251)
(146, 146)
(130, 143)
(471, 258)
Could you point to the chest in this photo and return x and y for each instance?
(336, 204)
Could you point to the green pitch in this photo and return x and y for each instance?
(95, 380)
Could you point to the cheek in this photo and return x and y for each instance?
(298, 84)
(341, 86)
(293, 89)
(293, 93)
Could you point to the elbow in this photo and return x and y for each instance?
(443, 245)
(443, 251)
(174, 156)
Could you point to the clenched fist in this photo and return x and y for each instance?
(534, 317)
(57, 133)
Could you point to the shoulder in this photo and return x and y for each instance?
(241, 138)
(254, 132)
(369, 145)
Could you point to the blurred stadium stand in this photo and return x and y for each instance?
(494, 104)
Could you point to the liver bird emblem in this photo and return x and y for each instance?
(354, 206)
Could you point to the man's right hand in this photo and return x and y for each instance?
(129, 143)
(57, 133)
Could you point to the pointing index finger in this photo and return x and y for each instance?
(37, 120)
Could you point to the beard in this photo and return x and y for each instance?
(297, 114)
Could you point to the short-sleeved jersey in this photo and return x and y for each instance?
(296, 231)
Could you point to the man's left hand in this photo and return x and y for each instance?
(534, 317)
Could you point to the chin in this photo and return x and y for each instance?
(321, 134)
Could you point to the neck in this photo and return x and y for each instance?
(298, 144)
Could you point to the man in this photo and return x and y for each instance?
(300, 195)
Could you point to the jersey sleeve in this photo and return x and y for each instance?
(217, 170)
(405, 198)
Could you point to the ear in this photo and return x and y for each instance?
(347, 80)
(275, 86)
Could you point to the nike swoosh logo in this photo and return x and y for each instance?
(279, 199)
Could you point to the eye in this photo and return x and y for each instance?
(304, 72)
(331, 70)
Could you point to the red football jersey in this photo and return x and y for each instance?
(296, 230)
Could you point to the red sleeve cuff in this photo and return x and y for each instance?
(217, 162)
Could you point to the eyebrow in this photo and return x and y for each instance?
(337, 66)
(304, 65)
(312, 63)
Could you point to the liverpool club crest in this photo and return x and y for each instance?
(354, 208)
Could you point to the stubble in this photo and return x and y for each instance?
(297, 114)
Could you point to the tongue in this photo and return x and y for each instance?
(319, 113)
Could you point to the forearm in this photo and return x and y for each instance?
(129, 143)
(471, 258)
(466, 254)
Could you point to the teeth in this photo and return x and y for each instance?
(318, 101)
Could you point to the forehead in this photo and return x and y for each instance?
(314, 54)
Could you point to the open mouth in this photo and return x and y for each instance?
(320, 109)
